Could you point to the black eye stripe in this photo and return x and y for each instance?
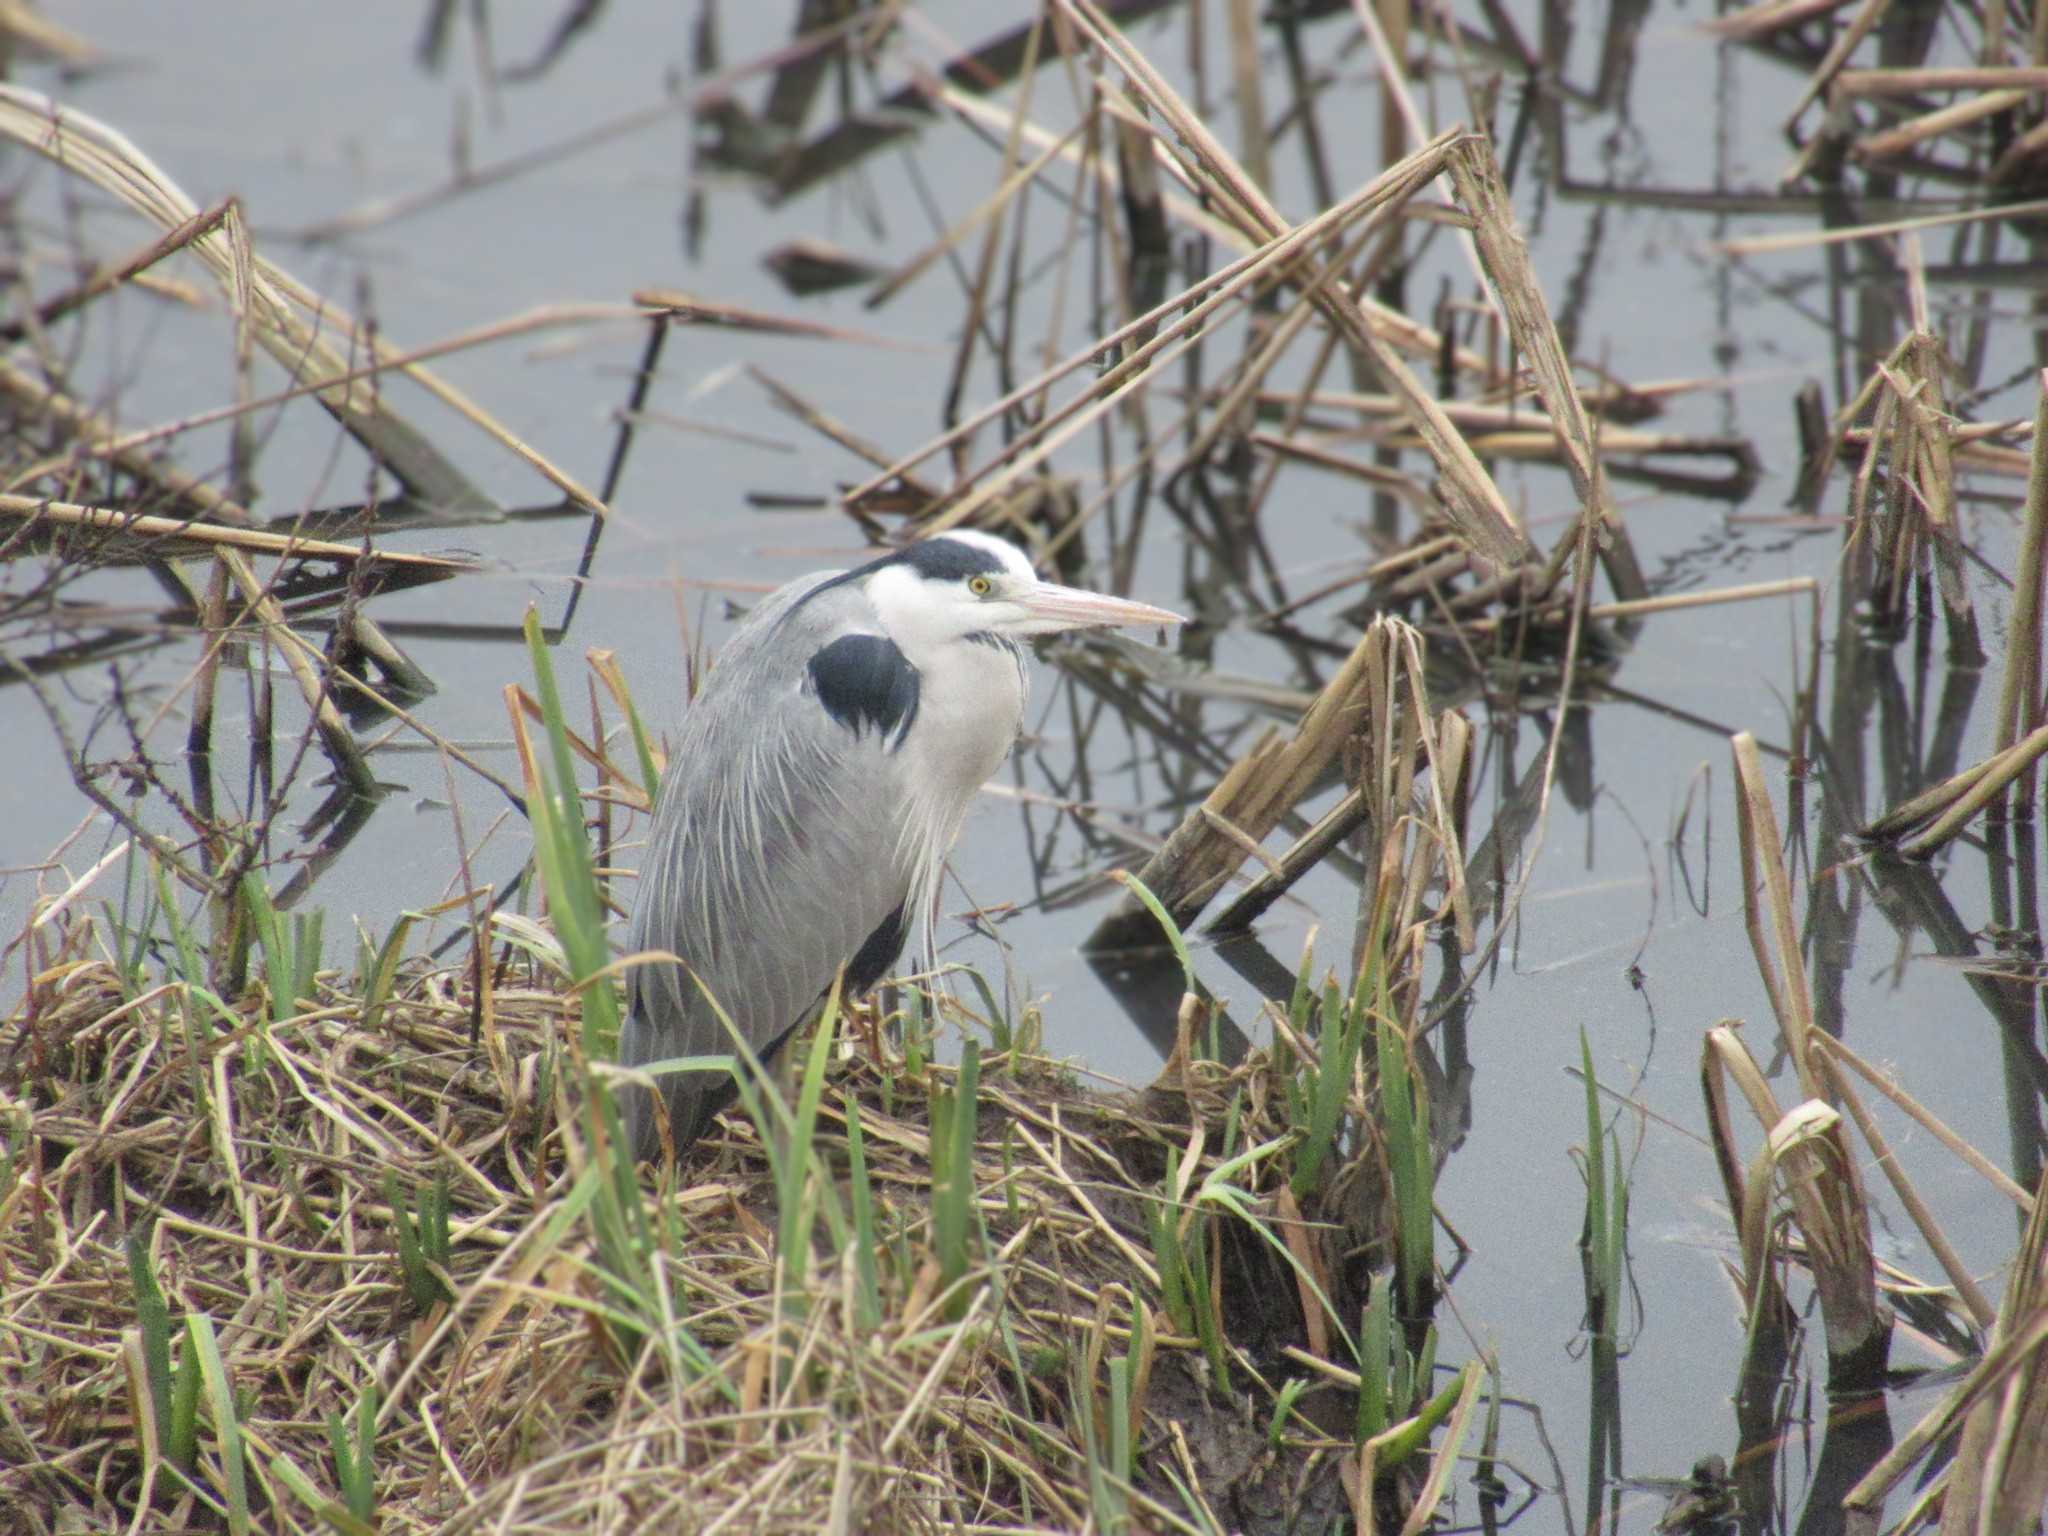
(936, 559)
(944, 559)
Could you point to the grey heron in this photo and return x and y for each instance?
(817, 782)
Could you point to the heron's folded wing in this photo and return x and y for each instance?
(779, 848)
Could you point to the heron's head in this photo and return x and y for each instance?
(967, 583)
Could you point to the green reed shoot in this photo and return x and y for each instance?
(153, 1318)
(190, 973)
(290, 947)
(1603, 1240)
(562, 850)
(1404, 1122)
(1392, 1383)
(868, 1291)
(1177, 941)
(377, 968)
(353, 1442)
(1412, 1434)
(916, 1032)
(643, 750)
(424, 1250)
(1120, 1419)
(131, 942)
(188, 967)
(790, 1140)
(181, 1439)
(1109, 1480)
(955, 1116)
(1219, 1188)
(11, 1143)
(1181, 1251)
(1162, 1224)
(618, 1217)
(337, 1517)
(1283, 1409)
(1377, 1342)
(202, 1362)
(1316, 1105)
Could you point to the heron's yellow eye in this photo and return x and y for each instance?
(980, 586)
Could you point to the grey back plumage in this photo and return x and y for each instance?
(799, 828)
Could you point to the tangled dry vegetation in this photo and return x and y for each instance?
(378, 1224)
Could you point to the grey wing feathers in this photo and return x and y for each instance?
(771, 861)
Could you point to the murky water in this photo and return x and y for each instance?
(308, 114)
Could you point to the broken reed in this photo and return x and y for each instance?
(1806, 1152)
(1927, 822)
(1907, 517)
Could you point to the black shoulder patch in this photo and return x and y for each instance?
(863, 681)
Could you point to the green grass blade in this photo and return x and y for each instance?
(181, 1445)
(337, 1518)
(1150, 903)
(1375, 1359)
(227, 1425)
(954, 1191)
(153, 1316)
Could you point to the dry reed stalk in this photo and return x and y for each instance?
(1378, 687)
(264, 298)
(1506, 258)
(1402, 749)
(1228, 413)
(1806, 1153)
(277, 312)
(800, 409)
(1829, 70)
(1893, 142)
(314, 685)
(165, 535)
(1473, 503)
(1260, 788)
(27, 28)
(1405, 332)
(1806, 1145)
(1411, 491)
(1958, 1273)
(1410, 335)
(2019, 695)
(1172, 323)
(111, 275)
(1996, 1481)
(1913, 433)
(1911, 82)
(1799, 240)
(1930, 466)
(1763, 875)
(1946, 809)
(1841, 1055)
(1676, 602)
(986, 210)
(1245, 90)
(1767, 16)
(89, 431)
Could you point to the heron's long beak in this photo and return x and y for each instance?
(1057, 607)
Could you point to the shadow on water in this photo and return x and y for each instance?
(1288, 507)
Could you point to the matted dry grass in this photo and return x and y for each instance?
(255, 1163)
